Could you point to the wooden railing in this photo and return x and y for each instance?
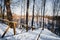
(14, 26)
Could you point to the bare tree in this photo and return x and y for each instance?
(27, 15)
(37, 15)
(41, 11)
(24, 9)
(0, 10)
(9, 14)
(57, 30)
(44, 2)
(3, 10)
(33, 14)
(53, 16)
(9, 17)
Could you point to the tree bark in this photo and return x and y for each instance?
(44, 2)
(27, 15)
(33, 15)
(9, 14)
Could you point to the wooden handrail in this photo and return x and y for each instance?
(7, 20)
(14, 26)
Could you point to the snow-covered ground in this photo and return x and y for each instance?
(21, 34)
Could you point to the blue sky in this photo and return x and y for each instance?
(16, 7)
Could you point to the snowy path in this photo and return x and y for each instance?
(30, 35)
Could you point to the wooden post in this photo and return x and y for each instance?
(14, 28)
(9, 26)
(5, 31)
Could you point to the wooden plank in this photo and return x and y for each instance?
(14, 26)
(5, 20)
(5, 31)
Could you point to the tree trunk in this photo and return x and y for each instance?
(0, 11)
(9, 14)
(43, 12)
(3, 10)
(33, 15)
(27, 15)
(53, 17)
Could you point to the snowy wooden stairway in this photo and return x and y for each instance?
(14, 26)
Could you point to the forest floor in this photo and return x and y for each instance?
(21, 34)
